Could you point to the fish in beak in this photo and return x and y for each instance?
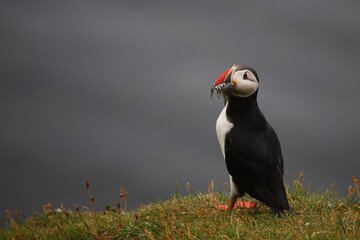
(223, 85)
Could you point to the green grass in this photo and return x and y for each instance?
(321, 215)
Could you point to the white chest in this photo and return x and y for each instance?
(223, 126)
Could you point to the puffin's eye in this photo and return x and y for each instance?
(245, 76)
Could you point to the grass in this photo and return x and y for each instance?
(321, 215)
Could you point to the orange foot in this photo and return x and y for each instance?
(238, 204)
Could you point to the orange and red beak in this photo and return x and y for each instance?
(222, 78)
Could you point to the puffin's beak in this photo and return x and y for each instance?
(222, 85)
(222, 77)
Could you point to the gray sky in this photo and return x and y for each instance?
(118, 94)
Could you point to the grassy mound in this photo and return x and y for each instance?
(322, 215)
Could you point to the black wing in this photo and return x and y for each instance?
(254, 160)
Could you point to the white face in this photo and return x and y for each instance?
(245, 83)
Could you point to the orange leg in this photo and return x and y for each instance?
(232, 203)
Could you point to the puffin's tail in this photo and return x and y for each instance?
(281, 212)
(274, 196)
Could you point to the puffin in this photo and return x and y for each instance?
(250, 146)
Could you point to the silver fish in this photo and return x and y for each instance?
(222, 90)
(211, 93)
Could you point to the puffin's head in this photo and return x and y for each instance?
(240, 81)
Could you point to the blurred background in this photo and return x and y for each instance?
(118, 93)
